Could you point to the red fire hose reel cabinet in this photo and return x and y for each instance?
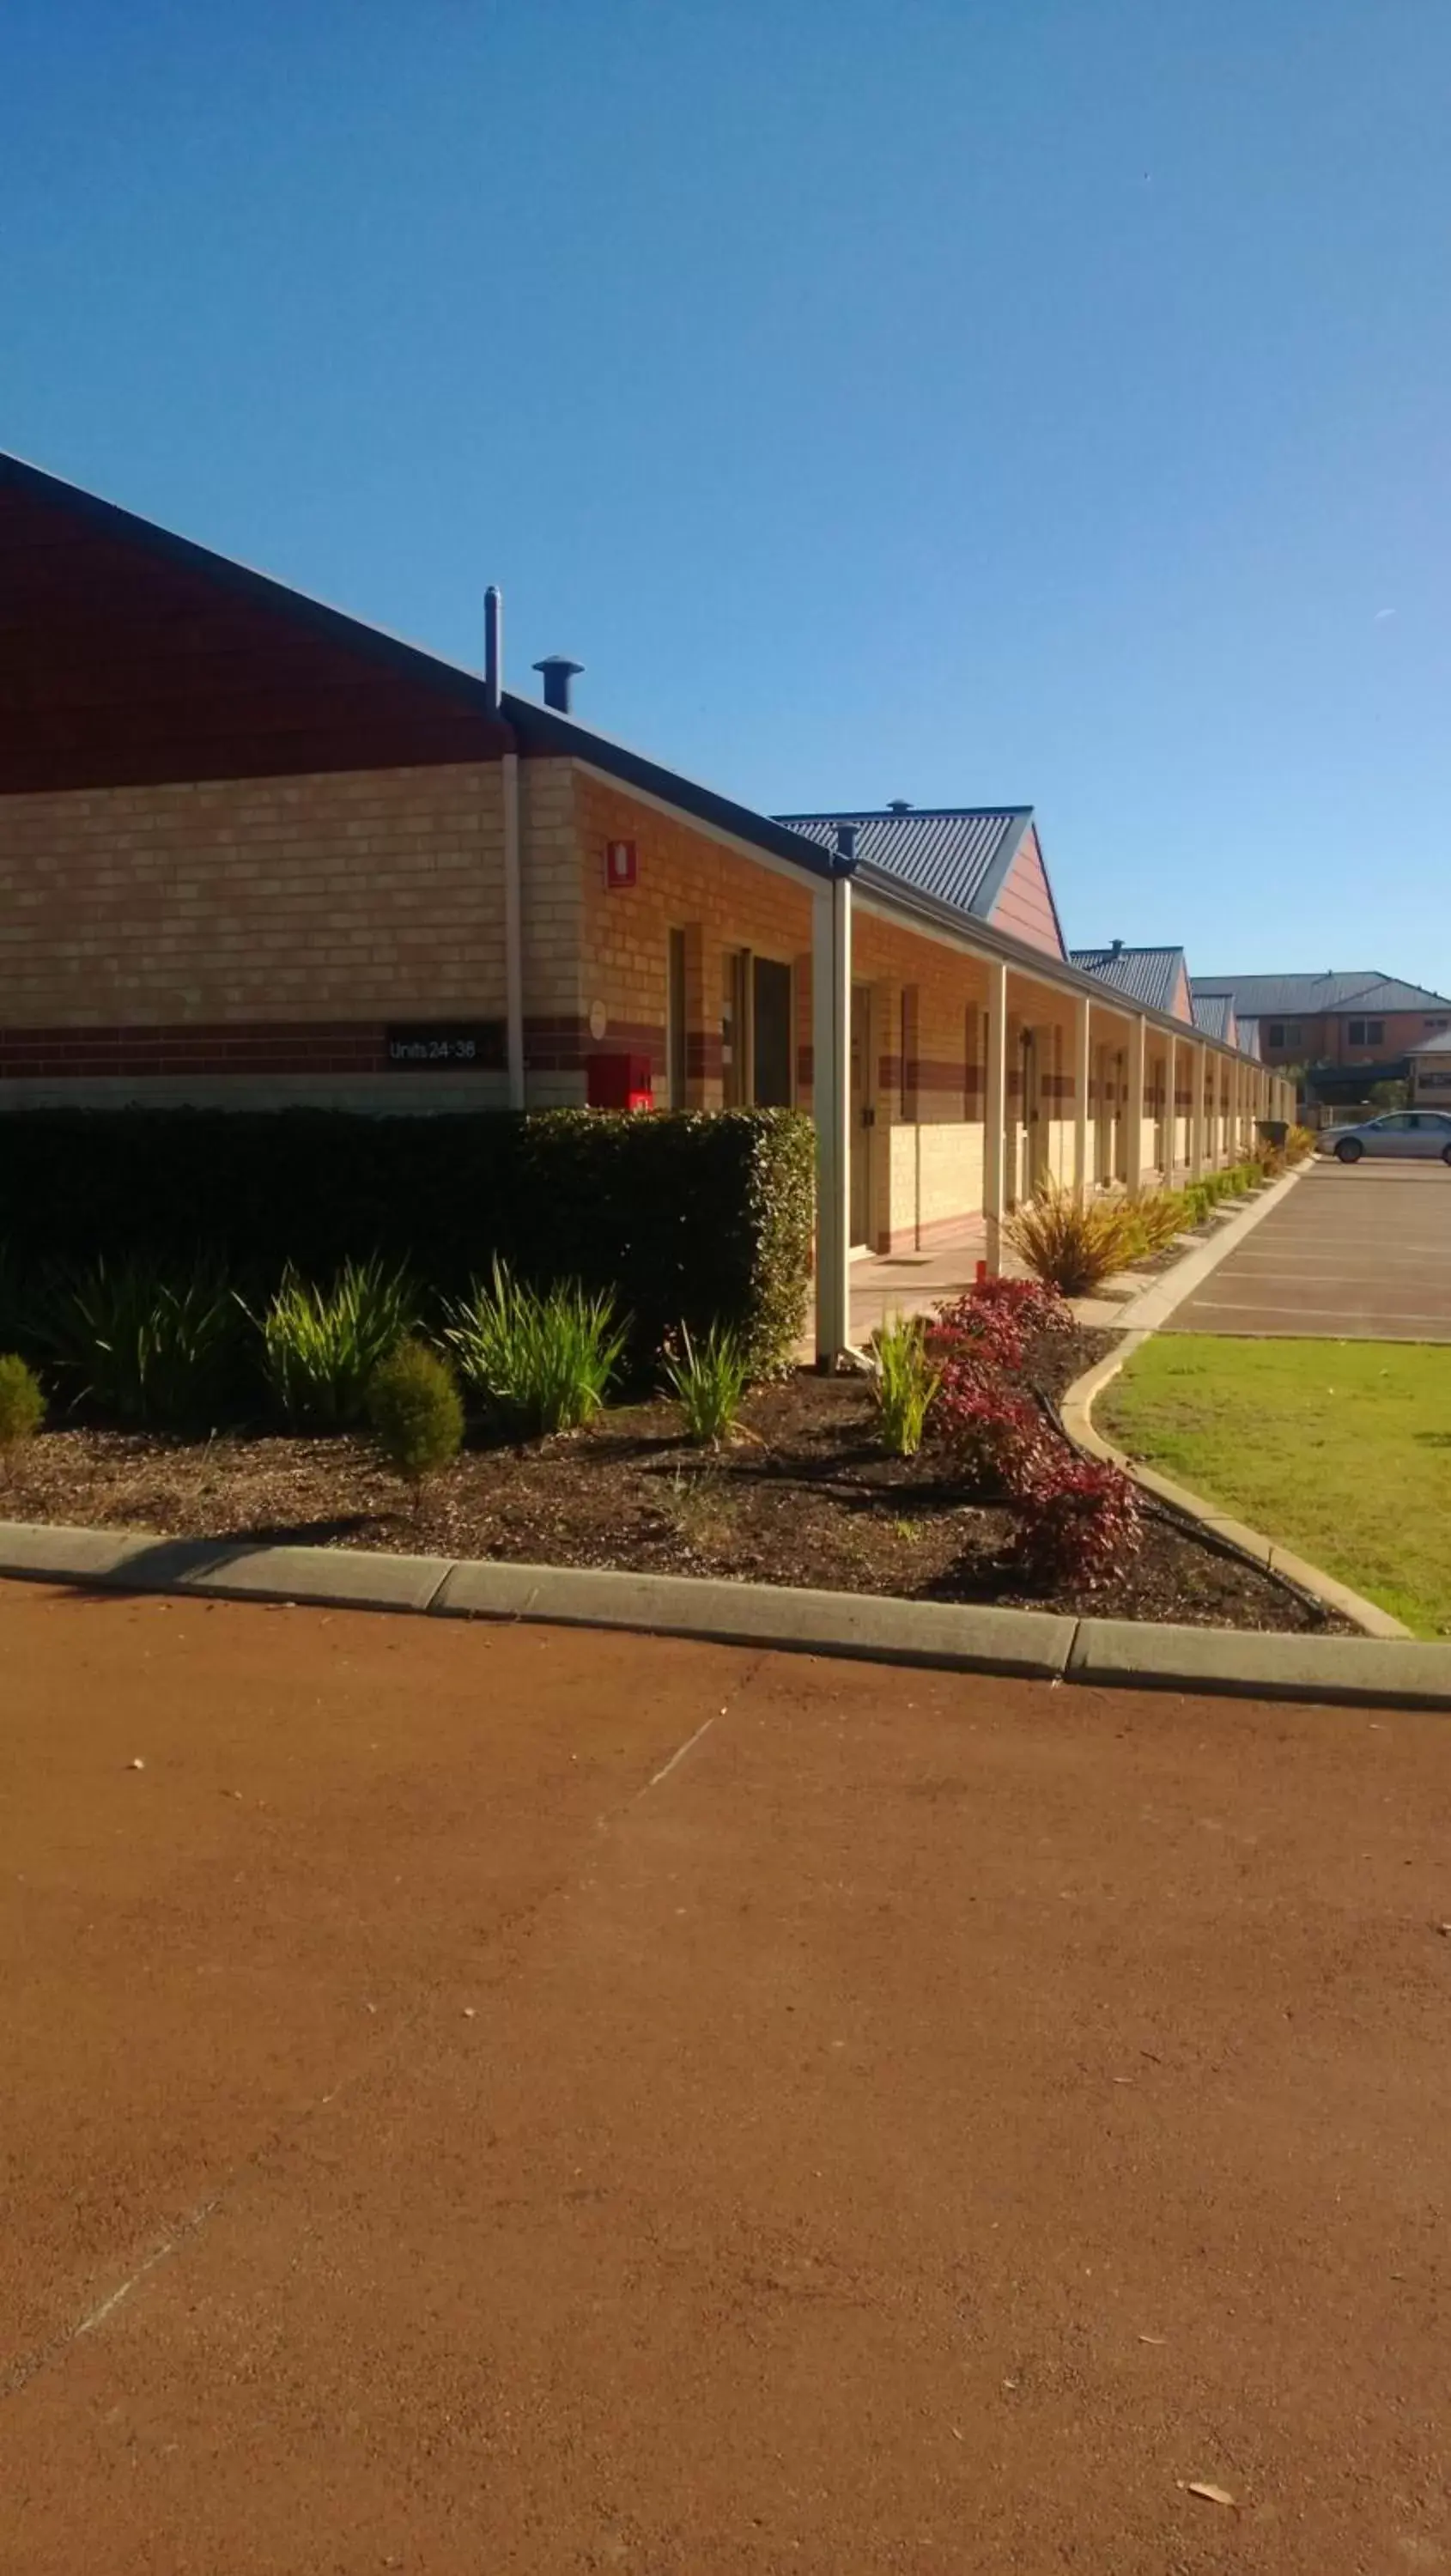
(619, 1082)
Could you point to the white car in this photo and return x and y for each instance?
(1424, 1133)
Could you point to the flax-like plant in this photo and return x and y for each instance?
(321, 1346)
(138, 1345)
(538, 1360)
(1157, 1218)
(708, 1378)
(904, 1383)
(1074, 1248)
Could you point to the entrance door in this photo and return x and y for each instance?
(863, 1114)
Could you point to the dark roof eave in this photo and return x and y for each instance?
(545, 730)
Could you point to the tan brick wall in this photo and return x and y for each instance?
(552, 908)
(347, 895)
(686, 881)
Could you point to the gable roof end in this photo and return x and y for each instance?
(1147, 975)
(958, 854)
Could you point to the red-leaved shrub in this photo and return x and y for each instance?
(999, 1317)
(994, 1435)
(1079, 1522)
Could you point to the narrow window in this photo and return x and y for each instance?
(771, 1034)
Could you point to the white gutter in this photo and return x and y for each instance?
(831, 1113)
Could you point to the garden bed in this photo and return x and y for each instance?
(802, 1496)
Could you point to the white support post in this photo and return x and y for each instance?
(1082, 1061)
(831, 1110)
(1171, 1110)
(1196, 1113)
(995, 1111)
(1134, 1108)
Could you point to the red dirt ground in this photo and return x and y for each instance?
(925, 2127)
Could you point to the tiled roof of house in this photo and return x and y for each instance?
(1147, 975)
(1214, 1013)
(958, 853)
(1314, 996)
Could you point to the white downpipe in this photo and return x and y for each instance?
(1196, 1113)
(995, 1113)
(831, 1110)
(513, 934)
(1134, 1139)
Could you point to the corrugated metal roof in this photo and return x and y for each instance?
(1214, 1014)
(960, 854)
(1147, 975)
(1438, 1044)
(1310, 996)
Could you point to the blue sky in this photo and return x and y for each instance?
(1027, 402)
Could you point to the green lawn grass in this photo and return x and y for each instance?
(1341, 1449)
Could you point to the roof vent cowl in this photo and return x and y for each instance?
(559, 672)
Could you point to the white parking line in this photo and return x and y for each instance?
(1341, 1314)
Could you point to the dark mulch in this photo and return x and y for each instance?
(802, 1497)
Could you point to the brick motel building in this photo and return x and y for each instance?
(256, 853)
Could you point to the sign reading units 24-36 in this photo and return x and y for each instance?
(440, 1044)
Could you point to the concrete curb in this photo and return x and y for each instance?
(1030, 1644)
(1077, 1415)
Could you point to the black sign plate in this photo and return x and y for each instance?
(441, 1046)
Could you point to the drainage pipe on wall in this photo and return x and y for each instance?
(513, 867)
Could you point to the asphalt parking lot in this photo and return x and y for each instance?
(1355, 1251)
(482, 2098)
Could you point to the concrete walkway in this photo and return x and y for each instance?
(1359, 1252)
(906, 1283)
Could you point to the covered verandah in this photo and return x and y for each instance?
(1064, 1081)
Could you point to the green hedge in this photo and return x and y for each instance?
(693, 1219)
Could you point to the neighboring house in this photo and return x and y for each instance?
(1345, 1032)
(253, 852)
(1431, 1070)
